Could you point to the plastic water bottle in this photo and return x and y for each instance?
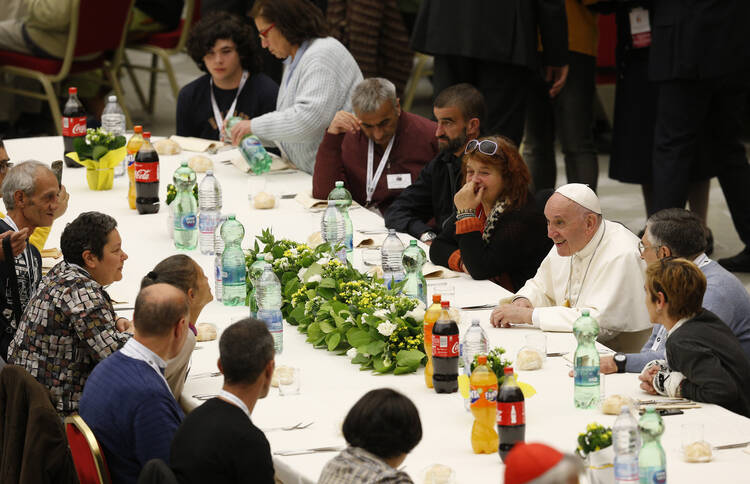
(233, 263)
(626, 441)
(652, 462)
(256, 270)
(412, 260)
(113, 120)
(218, 252)
(252, 149)
(390, 257)
(586, 362)
(475, 342)
(333, 230)
(343, 199)
(185, 209)
(209, 203)
(269, 306)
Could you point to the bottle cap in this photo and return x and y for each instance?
(147, 134)
(137, 128)
(112, 99)
(445, 304)
(72, 90)
(331, 203)
(339, 183)
(436, 298)
(209, 172)
(481, 359)
(508, 370)
(585, 312)
(413, 242)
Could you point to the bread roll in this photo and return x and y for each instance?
(200, 163)
(529, 359)
(167, 147)
(263, 200)
(206, 332)
(285, 374)
(613, 403)
(438, 474)
(697, 452)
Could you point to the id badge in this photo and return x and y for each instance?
(640, 27)
(399, 181)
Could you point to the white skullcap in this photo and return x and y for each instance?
(582, 195)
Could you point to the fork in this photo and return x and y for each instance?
(297, 426)
(205, 374)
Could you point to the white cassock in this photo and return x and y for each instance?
(611, 289)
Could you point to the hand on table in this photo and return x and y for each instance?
(62, 202)
(343, 122)
(468, 197)
(647, 378)
(518, 312)
(607, 364)
(557, 75)
(17, 241)
(240, 130)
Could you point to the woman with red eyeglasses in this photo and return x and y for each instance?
(319, 77)
(498, 232)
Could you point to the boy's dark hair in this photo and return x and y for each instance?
(88, 231)
(245, 348)
(383, 422)
(223, 25)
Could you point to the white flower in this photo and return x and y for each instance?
(293, 251)
(323, 260)
(417, 313)
(351, 353)
(315, 278)
(381, 313)
(386, 328)
(301, 274)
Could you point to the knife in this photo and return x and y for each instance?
(331, 448)
(731, 446)
(477, 307)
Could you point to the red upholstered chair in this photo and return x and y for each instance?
(87, 455)
(97, 28)
(161, 45)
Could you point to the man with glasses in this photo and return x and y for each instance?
(675, 232)
(423, 208)
(225, 47)
(377, 151)
(594, 265)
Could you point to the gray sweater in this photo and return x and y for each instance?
(725, 296)
(320, 85)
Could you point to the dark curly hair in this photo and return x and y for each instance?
(223, 25)
(297, 20)
(88, 231)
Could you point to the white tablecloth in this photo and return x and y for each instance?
(331, 385)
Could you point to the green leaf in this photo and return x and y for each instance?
(327, 327)
(358, 337)
(374, 348)
(327, 292)
(297, 313)
(402, 370)
(328, 283)
(360, 359)
(333, 340)
(314, 332)
(380, 367)
(410, 358)
(340, 307)
(98, 151)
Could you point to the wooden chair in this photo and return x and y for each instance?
(87, 455)
(161, 45)
(422, 68)
(96, 29)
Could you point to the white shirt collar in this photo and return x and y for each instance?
(234, 399)
(138, 351)
(589, 248)
(10, 222)
(676, 326)
(701, 260)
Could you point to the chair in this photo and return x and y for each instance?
(96, 29)
(87, 455)
(422, 68)
(161, 45)
(156, 471)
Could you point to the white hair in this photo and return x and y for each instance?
(371, 93)
(570, 466)
(21, 177)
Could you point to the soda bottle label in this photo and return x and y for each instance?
(72, 127)
(510, 413)
(146, 172)
(626, 471)
(483, 396)
(207, 224)
(653, 475)
(587, 376)
(188, 221)
(445, 346)
(233, 275)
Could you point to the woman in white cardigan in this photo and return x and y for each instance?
(319, 77)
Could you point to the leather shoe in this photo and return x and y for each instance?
(737, 263)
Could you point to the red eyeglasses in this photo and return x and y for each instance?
(264, 33)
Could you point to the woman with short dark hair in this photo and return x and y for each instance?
(381, 429)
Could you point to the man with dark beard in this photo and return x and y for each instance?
(423, 208)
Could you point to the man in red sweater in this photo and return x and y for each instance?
(377, 151)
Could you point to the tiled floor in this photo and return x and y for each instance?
(620, 201)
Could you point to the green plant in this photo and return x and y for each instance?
(172, 192)
(96, 144)
(496, 362)
(596, 437)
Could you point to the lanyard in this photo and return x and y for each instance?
(234, 399)
(372, 180)
(230, 111)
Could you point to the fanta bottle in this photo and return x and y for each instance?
(430, 316)
(484, 439)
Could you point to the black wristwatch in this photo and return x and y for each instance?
(620, 359)
(427, 236)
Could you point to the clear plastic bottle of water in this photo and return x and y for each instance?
(233, 270)
(333, 230)
(343, 199)
(412, 260)
(390, 258)
(256, 270)
(475, 342)
(218, 252)
(652, 461)
(586, 362)
(113, 120)
(626, 441)
(209, 203)
(269, 306)
(185, 209)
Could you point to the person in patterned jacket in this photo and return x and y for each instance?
(69, 324)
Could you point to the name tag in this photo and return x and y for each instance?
(640, 27)
(399, 181)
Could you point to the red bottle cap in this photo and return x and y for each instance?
(445, 304)
(137, 128)
(147, 134)
(508, 370)
(72, 90)
(482, 360)
(436, 298)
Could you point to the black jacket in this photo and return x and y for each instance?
(427, 204)
(699, 39)
(503, 31)
(517, 247)
(716, 368)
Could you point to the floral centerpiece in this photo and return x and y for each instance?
(343, 310)
(99, 151)
(496, 362)
(595, 448)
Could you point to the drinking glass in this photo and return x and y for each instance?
(255, 185)
(694, 447)
(289, 380)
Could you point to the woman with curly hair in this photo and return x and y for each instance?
(497, 232)
(224, 46)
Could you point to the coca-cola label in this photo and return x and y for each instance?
(445, 346)
(73, 127)
(188, 221)
(511, 413)
(146, 172)
(483, 396)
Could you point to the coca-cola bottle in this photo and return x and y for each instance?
(445, 346)
(511, 414)
(73, 124)
(147, 177)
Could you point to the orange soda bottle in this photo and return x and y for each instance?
(484, 439)
(430, 316)
(134, 144)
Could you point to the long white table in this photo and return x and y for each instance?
(331, 385)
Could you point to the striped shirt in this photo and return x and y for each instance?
(355, 465)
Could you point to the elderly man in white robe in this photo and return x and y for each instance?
(594, 265)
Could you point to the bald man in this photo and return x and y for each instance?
(127, 401)
(594, 265)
